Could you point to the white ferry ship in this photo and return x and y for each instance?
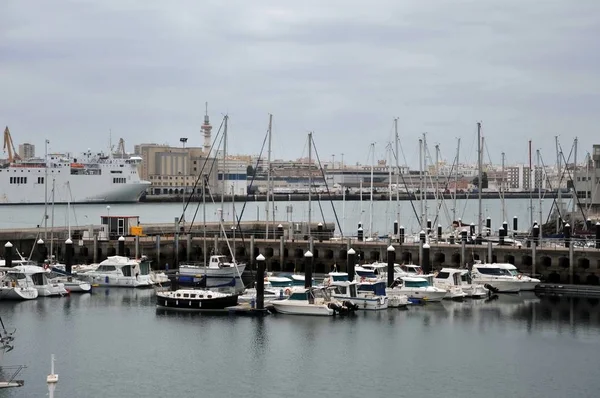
(62, 178)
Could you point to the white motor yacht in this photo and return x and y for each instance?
(119, 271)
(14, 286)
(367, 295)
(449, 279)
(418, 288)
(473, 290)
(38, 278)
(526, 282)
(311, 301)
(71, 283)
(498, 278)
(218, 267)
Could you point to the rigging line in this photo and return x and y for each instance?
(327, 188)
(204, 177)
(553, 199)
(571, 178)
(200, 176)
(410, 194)
(258, 160)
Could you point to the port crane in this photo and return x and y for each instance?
(9, 146)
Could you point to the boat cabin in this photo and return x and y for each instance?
(415, 282)
(219, 261)
(449, 276)
(310, 295)
(376, 288)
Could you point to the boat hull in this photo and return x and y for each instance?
(49, 290)
(18, 293)
(366, 303)
(142, 281)
(502, 286)
(187, 304)
(226, 272)
(285, 307)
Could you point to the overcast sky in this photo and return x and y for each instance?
(70, 71)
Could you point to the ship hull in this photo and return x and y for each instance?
(102, 188)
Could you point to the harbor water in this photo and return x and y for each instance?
(116, 343)
(348, 213)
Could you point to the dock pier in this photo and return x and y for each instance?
(285, 248)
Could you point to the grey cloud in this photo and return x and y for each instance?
(344, 69)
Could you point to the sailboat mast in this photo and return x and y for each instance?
(46, 190)
(479, 179)
(268, 176)
(574, 200)
(531, 190)
(421, 182)
(52, 222)
(425, 174)
(204, 186)
(456, 179)
(539, 187)
(437, 182)
(69, 212)
(371, 195)
(559, 193)
(224, 172)
(397, 171)
(309, 183)
(502, 182)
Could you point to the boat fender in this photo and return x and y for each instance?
(288, 291)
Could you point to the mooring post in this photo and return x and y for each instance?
(401, 235)
(260, 282)
(158, 252)
(571, 262)
(425, 262)
(251, 252)
(395, 234)
(351, 261)
(41, 248)
(68, 256)
(490, 252)
(281, 251)
(95, 256)
(598, 235)
(8, 250)
(391, 259)
(137, 246)
(121, 246)
(308, 269)
(188, 247)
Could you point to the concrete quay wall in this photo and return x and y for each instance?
(553, 264)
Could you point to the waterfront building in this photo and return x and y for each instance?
(26, 151)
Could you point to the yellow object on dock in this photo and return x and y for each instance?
(136, 230)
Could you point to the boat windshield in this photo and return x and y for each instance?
(416, 284)
(493, 271)
(301, 296)
(412, 269)
(321, 293)
(466, 277)
(512, 272)
(442, 275)
(340, 290)
(106, 268)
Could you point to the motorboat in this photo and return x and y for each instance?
(218, 267)
(496, 278)
(368, 295)
(299, 279)
(312, 301)
(473, 290)
(37, 277)
(119, 271)
(449, 279)
(71, 283)
(416, 288)
(14, 286)
(279, 281)
(195, 300)
(526, 282)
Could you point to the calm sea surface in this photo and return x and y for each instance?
(116, 343)
(348, 214)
